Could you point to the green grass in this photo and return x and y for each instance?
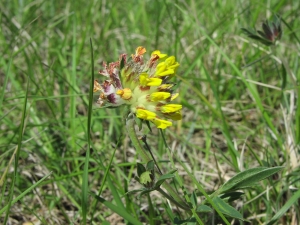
(65, 161)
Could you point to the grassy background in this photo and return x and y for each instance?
(237, 114)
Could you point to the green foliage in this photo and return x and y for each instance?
(284, 208)
(118, 210)
(234, 156)
(227, 209)
(272, 31)
(248, 178)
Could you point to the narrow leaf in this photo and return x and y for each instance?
(283, 85)
(120, 211)
(203, 209)
(285, 208)
(85, 188)
(163, 178)
(193, 198)
(231, 196)
(150, 165)
(227, 209)
(248, 178)
(135, 191)
(172, 171)
(146, 191)
(140, 169)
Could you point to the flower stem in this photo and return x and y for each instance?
(135, 141)
(171, 194)
(152, 156)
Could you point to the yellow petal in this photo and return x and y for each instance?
(170, 108)
(174, 96)
(154, 82)
(164, 87)
(159, 54)
(143, 79)
(164, 73)
(124, 93)
(162, 124)
(170, 60)
(161, 67)
(145, 114)
(159, 96)
(146, 81)
(174, 116)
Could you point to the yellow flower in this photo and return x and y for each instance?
(144, 86)
(162, 124)
(145, 114)
(145, 80)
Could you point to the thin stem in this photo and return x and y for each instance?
(186, 207)
(149, 150)
(143, 154)
(164, 139)
(135, 141)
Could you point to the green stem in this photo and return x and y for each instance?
(285, 64)
(172, 194)
(296, 90)
(186, 207)
(152, 156)
(135, 141)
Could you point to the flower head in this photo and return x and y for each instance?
(271, 32)
(142, 85)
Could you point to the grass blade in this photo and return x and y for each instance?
(118, 210)
(285, 208)
(17, 155)
(18, 198)
(84, 203)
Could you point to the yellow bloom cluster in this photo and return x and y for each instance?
(144, 86)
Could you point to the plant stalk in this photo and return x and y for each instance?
(171, 194)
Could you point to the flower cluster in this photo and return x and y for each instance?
(143, 85)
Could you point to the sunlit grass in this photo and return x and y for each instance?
(239, 109)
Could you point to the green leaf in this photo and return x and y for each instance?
(146, 191)
(139, 123)
(283, 85)
(145, 178)
(285, 208)
(227, 209)
(253, 34)
(203, 209)
(193, 198)
(148, 125)
(135, 191)
(122, 63)
(172, 171)
(140, 169)
(248, 178)
(150, 165)
(163, 178)
(123, 213)
(231, 196)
